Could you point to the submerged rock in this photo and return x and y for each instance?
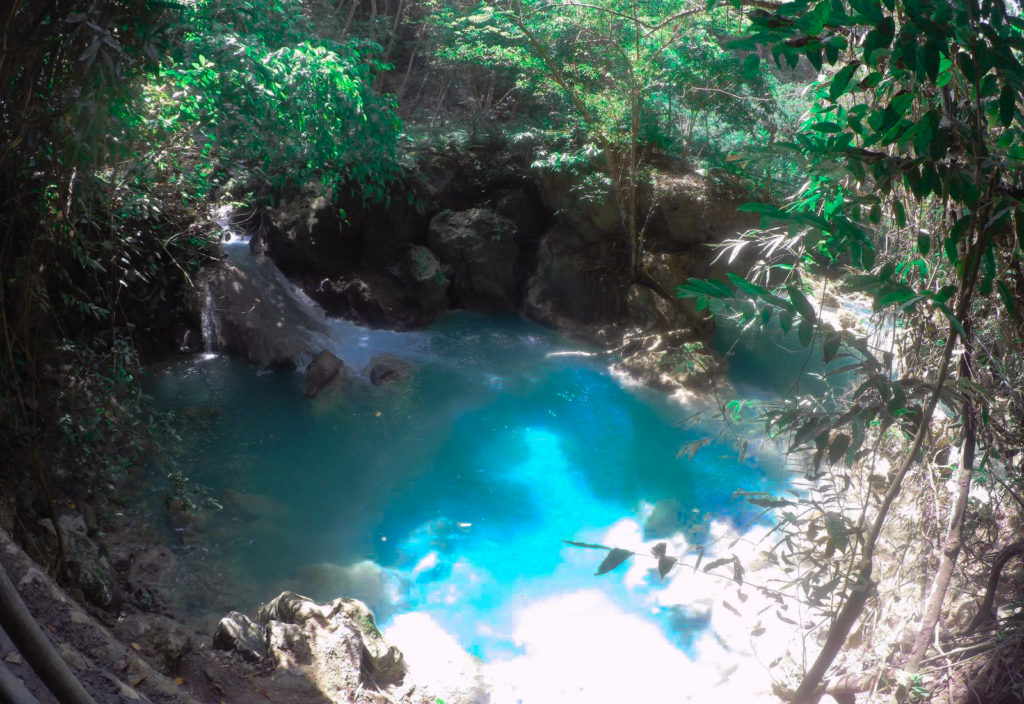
(321, 372)
(670, 361)
(388, 369)
(253, 506)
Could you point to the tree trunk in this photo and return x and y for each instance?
(954, 532)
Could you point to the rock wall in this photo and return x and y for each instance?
(482, 229)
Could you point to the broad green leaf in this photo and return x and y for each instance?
(805, 332)
(800, 304)
(841, 81)
(717, 563)
(1007, 298)
(837, 448)
(755, 291)
(953, 321)
(751, 66)
(614, 558)
(1007, 103)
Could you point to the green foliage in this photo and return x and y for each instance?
(117, 119)
(617, 86)
(250, 89)
(913, 154)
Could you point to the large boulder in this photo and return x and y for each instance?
(426, 284)
(578, 285)
(523, 211)
(374, 299)
(306, 234)
(321, 372)
(480, 251)
(239, 633)
(163, 640)
(686, 211)
(588, 205)
(250, 311)
(336, 645)
(650, 311)
(666, 272)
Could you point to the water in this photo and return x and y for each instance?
(443, 501)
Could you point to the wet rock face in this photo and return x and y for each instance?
(408, 294)
(306, 234)
(422, 273)
(479, 249)
(321, 372)
(253, 316)
(577, 286)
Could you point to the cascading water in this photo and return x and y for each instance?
(210, 322)
(442, 502)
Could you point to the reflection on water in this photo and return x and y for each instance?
(448, 494)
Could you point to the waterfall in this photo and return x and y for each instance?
(212, 338)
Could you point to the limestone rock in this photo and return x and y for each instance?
(253, 314)
(524, 212)
(287, 644)
(321, 372)
(239, 633)
(85, 567)
(480, 251)
(157, 636)
(337, 644)
(427, 285)
(305, 234)
(577, 285)
(374, 299)
(685, 211)
(648, 310)
(103, 664)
